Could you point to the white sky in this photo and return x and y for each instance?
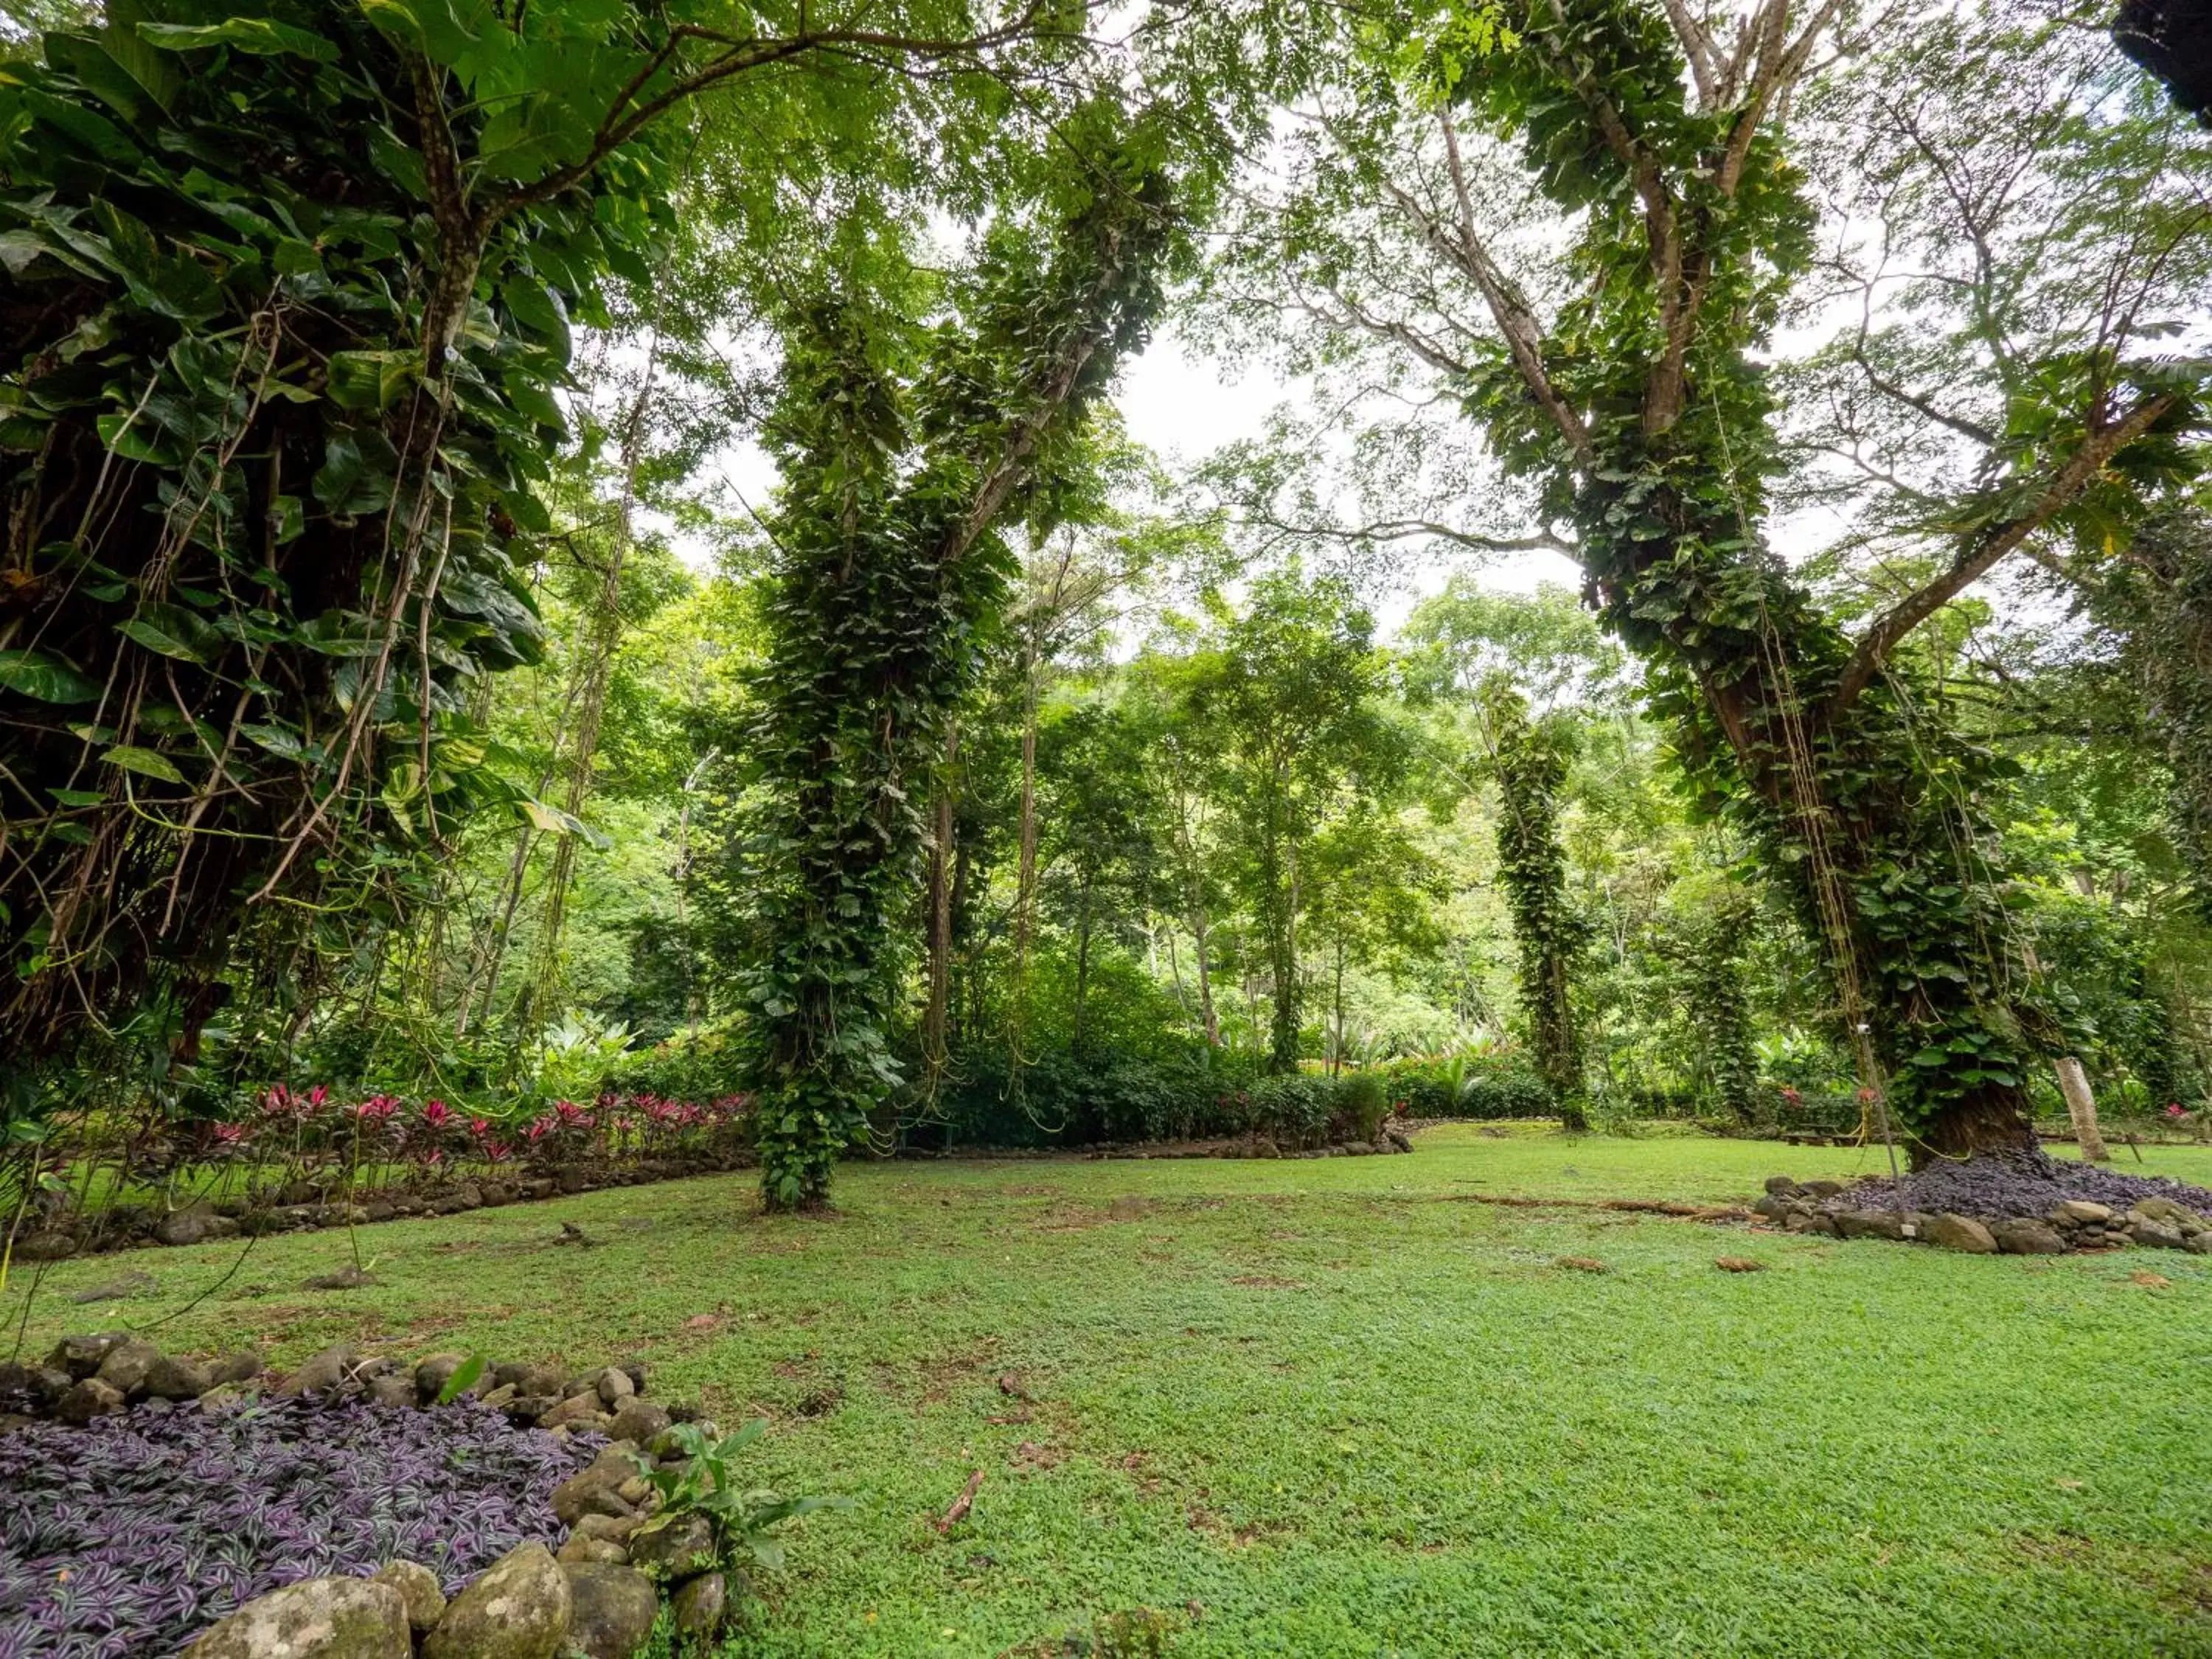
(1182, 405)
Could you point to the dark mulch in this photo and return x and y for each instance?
(2017, 1184)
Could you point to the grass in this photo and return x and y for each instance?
(1333, 1408)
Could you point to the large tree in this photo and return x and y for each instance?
(1582, 223)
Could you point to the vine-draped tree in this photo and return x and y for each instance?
(287, 299)
(906, 451)
(1529, 760)
(1637, 409)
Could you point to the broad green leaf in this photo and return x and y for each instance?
(48, 678)
(147, 763)
(263, 37)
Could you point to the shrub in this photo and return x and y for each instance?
(1362, 1103)
(1464, 1089)
(1294, 1111)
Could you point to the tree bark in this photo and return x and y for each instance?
(2081, 1107)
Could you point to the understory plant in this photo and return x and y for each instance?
(706, 1483)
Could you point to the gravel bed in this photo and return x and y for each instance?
(2025, 1183)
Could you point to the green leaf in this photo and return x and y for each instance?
(149, 762)
(462, 1379)
(263, 37)
(369, 381)
(48, 678)
(171, 630)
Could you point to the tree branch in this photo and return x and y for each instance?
(1982, 554)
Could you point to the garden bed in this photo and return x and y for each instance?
(2023, 1204)
(158, 1500)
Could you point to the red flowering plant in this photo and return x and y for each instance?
(562, 1138)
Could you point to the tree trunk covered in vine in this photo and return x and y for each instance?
(1530, 762)
(901, 454)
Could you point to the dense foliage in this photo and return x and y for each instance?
(556, 575)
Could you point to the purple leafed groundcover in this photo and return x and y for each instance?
(133, 1535)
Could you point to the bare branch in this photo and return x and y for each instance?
(1981, 554)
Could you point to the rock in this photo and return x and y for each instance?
(1824, 1189)
(612, 1528)
(418, 1589)
(2026, 1236)
(434, 1373)
(469, 1196)
(593, 1490)
(634, 1491)
(185, 1227)
(1398, 1140)
(571, 1181)
(581, 1549)
(613, 1609)
(682, 1544)
(49, 1245)
(1782, 1186)
(1870, 1224)
(314, 1619)
(496, 1193)
(2081, 1209)
(1264, 1147)
(242, 1367)
(519, 1608)
(511, 1375)
(525, 1410)
(614, 1386)
(497, 1397)
(2157, 1235)
(171, 1378)
(127, 1363)
(87, 1399)
(81, 1356)
(2162, 1209)
(2198, 1243)
(226, 1395)
(1811, 1221)
(46, 1384)
(582, 1411)
(1958, 1232)
(11, 1421)
(395, 1390)
(638, 1419)
(1359, 1148)
(543, 1380)
(322, 1374)
(697, 1608)
(378, 1210)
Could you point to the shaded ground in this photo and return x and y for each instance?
(1343, 1414)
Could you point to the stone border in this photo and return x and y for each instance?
(304, 1205)
(600, 1594)
(2071, 1227)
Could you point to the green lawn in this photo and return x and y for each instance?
(1330, 1408)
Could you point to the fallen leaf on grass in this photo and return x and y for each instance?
(2149, 1280)
(703, 1322)
(1582, 1264)
(1739, 1264)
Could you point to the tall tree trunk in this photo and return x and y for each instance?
(594, 673)
(2081, 1107)
(1082, 959)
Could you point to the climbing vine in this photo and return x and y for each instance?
(1529, 760)
(905, 449)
